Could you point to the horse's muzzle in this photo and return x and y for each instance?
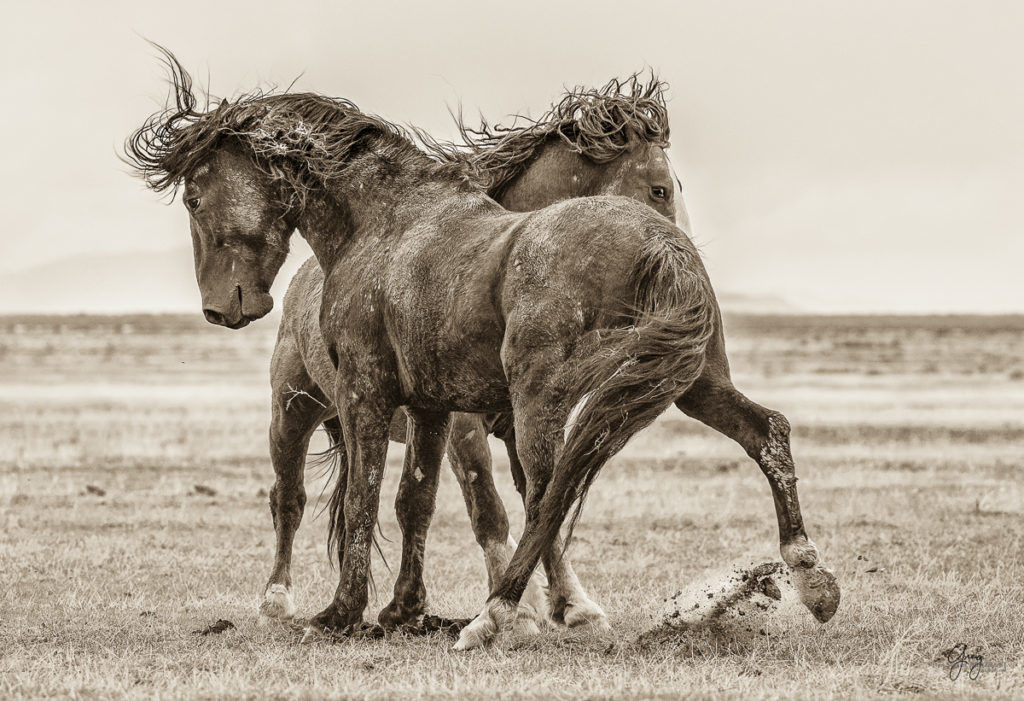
(242, 309)
(215, 317)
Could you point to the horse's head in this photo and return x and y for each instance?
(558, 172)
(237, 194)
(644, 173)
(240, 231)
(605, 141)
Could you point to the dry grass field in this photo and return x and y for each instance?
(909, 441)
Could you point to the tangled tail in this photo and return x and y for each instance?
(637, 371)
(332, 465)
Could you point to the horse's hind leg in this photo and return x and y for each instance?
(414, 506)
(537, 391)
(298, 407)
(470, 458)
(568, 600)
(764, 435)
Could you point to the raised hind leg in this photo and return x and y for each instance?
(470, 458)
(568, 601)
(298, 407)
(764, 435)
(414, 506)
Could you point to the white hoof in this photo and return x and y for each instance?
(277, 604)
(495, 616)
(477, 634)
(586, 612)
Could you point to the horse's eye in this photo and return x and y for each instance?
(192, 203)
(658, 192)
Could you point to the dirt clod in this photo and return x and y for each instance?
(216, 628)
(730, 610)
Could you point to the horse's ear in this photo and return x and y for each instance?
(223, 103)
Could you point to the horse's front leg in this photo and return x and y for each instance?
(365, 418)
(414, 506)
(764, 435)
(297, 408)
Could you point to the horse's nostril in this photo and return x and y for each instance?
(214, 317)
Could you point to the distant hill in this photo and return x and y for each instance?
(159, 281)
(121, 283)
(739, 303)
(164, 281)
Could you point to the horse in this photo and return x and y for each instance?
(585, 319)
(609, 140)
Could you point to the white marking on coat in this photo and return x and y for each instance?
(574, 415)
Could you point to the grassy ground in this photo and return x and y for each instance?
(908, 439)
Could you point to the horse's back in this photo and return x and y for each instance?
(580, 253)
(438, 300)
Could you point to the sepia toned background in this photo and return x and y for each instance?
(836, 157)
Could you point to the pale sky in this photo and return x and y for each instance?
(853, 156)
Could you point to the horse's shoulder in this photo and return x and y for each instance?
(307, 281)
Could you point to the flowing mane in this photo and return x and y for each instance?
(600, 124)
(304, 139)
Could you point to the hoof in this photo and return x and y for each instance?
(392, 616)
(586, 612)
(815, 583)
(476, 634)
(331, 622)
(818, 590)
(277, 604)
(481, 630)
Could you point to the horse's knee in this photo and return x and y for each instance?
(287, 504)
(776, 459)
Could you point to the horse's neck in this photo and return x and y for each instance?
(376, 196)
(554, 174)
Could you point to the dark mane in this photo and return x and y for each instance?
(600, 124)
(302, 138)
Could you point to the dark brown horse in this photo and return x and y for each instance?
(606, 141)
(585, 319)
